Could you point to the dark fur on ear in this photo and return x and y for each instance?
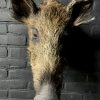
(81, 12)
(23, 8)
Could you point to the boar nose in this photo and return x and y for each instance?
(47, 92)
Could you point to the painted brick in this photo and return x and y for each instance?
(3, 39)
(94, 77)
(74, 76)
(13, 84)
(30, 85)
(93, 87)
(95, 31)
(97, 58)
(3, 52)
(2, 3)
(16, 39)
(5, 15)
(97, 66)
(3, 93)
(18, 53)
(21, 94)
(13, 39)
(3, 67)
(91, 97)
(97, 19)
(96, 6)
(79, 87)
(20, 74)
(71, 96)
(3, 28)
(3, 73)
(12, 62)
(76, 87)
(37, 2)
(17, 28)
(64, 1)
(16, 66)
(9, 6)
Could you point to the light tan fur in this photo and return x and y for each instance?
(44, 57)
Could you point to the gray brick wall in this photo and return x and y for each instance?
(15, 75)
(82, 75)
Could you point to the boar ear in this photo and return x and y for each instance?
(81, 11)
(23, 9)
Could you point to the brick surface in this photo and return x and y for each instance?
(16, 39)
(3, 52)
(17, 28)
(18, 53)
(3, 93)
(74, 76)
(20, 74)
(3, 39)
(71, 97)
(80, 87)
(5, 15)
(96, 31)
(96, 5)
(3, 28)
(13, 84)
(30, 85)
(12, 62)
(2, 3)
(21, 94)
(91, 97)
(75, 87)
(3, 73)
(9, 4)
(13, 39)
(94, 77)
(97, 19)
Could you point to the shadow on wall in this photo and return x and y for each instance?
(79, 53)
(78, 48)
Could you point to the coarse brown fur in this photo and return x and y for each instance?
(49, 20)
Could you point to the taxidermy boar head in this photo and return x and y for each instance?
(45, 25)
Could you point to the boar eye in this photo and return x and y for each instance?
(35, 36)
